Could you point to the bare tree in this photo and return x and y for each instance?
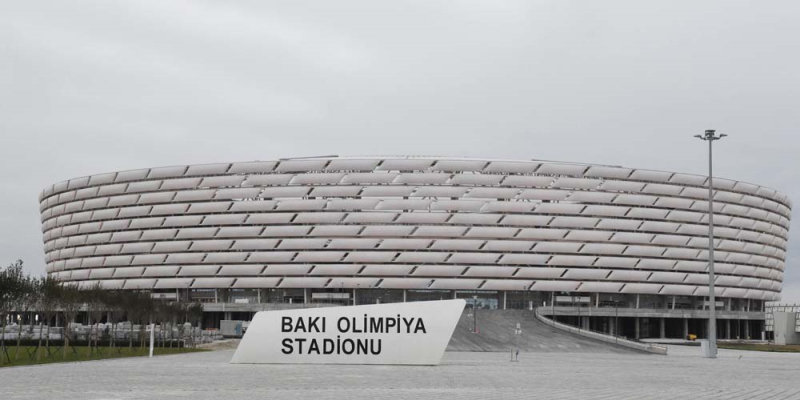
(115, 305)
(10, 288)
(196, 317)
(130, 303)
(25, 301)
(94, 298)
(175, 323)
(137, 306)
(182, 311)
(71, 303)
(147, 314)
(161, 313)
(49, 299)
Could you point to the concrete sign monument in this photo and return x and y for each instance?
(414, 333)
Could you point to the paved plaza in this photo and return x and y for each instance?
(462, 375)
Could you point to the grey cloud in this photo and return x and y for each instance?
(93, 86)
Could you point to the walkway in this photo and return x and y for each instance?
(462, 375)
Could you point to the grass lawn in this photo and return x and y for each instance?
(27, 354)
(792, 348)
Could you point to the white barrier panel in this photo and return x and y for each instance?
(414, 333)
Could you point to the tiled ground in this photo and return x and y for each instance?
(682, 374)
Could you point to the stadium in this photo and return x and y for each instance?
(606, 248)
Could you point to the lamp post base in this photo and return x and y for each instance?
(709, 349)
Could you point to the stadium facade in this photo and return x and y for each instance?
(612, 249)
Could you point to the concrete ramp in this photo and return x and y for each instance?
(496, 333)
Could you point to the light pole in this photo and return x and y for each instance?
(517, 334)
(710, 137)
(525, 297)
(474, 314)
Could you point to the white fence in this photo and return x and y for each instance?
(122, 331)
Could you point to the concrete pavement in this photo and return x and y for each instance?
(462, 375)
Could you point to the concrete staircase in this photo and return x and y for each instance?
(496, 333)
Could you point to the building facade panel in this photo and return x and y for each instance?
(462, 224)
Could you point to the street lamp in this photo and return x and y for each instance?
(525, 297)
(710, 137)
(474, 314)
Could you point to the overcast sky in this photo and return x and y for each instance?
(95, 86)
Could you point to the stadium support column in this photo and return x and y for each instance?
(505, 297)
(636, 328)
(405, 295)
(747, 329)
(727, 329)
(662, 327)
(686, 328)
